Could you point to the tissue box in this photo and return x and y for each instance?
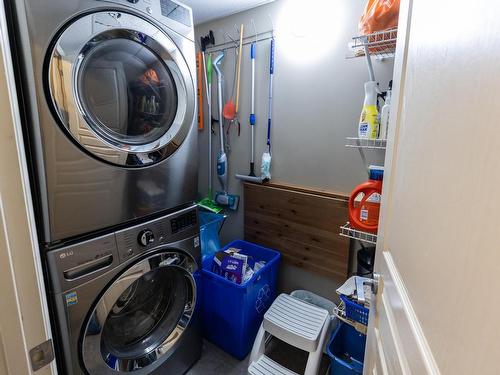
(230, 265)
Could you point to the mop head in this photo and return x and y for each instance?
(254, 179)
(227, 200)
(209, 205)
(265, 167)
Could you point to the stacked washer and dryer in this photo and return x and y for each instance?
(108, 88)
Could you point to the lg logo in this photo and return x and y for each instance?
(66, 254)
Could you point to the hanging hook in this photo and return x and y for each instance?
(254, 29)
(232, 39)
(223, 39)
(272, 24)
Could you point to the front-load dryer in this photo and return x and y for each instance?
(128, 301)
(109, 94)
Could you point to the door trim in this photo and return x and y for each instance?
(18, 231)
(398, 329)
(407, 334)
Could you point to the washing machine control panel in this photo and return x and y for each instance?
(146, 237)
(76, 264)
(138, 239)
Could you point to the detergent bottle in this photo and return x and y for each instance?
(364, 202)
(368, 121)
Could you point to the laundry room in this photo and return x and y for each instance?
(263, 187)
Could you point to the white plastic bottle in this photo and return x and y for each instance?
(368, 122)
(384, 117)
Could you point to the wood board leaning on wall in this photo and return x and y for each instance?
(303, 224)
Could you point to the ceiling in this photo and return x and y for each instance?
(208, 10)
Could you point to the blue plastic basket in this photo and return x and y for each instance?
(210, 226)
(346, 350)
(355, 311)
(232, 313)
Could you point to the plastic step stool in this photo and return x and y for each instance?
(297, 323)
(266, 365)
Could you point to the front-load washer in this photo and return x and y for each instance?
(128, 301)
(109, 95)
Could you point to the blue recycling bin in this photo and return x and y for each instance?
(346, 350)
(232, 313)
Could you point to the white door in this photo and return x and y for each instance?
(24, 322)
(438, 252)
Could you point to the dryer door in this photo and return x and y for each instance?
(141, 316)
(121, 88)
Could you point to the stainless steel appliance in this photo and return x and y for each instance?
(109, 92)
(128, 301)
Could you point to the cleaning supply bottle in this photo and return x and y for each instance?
(385, 113)
(368, 122)
(364, 202)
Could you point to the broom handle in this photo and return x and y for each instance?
(239, 69)
(271, 75)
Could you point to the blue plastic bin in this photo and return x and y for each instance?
(232, 313)
(355, 311)
(346, 350)
(210, 226)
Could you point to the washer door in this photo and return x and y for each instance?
(141, 316)
(121, 88)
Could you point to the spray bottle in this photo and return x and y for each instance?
(368, 122)
(385, 113)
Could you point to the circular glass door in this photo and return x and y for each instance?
(127, 92)
(121, 88)
(142, 315)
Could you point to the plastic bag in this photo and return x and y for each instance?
(379, 15)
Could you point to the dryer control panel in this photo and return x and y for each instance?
(171, 13)
(176, 11)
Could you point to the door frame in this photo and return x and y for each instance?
(24, 321)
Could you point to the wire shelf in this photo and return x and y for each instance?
(381, 44)
(374, 144)
(348, 231)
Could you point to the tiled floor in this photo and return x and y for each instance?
(214, 361)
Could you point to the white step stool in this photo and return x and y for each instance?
(297, 323)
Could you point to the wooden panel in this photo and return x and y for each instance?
(303, 224)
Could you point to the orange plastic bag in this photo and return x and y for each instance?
(379, 15)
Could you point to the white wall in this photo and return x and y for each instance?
(316, 101)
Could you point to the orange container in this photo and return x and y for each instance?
(379, 15)
(364, 213)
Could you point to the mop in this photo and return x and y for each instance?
(265, 167)
(251, 176)
(266, 156)
(222, 198)
(208, 203)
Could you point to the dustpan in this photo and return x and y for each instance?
(229, 111)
